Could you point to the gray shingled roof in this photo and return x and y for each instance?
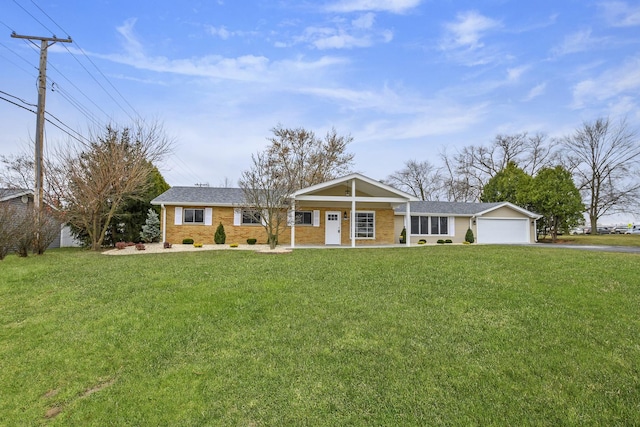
(10, 193)
(201, 195)
(212, 196)
(448, 208)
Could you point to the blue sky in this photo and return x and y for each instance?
(407, 79)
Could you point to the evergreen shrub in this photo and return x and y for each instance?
(220, 236)
(469, 236)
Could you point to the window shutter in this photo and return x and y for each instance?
(237, 216)
(316, 218)
(291, 218)
(208, 216)
(178, 218)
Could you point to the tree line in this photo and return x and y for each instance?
(103, 187)
(601, 159)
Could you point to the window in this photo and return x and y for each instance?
(365, 225)
(251, 217)
(194, 216)
(430, 225)
(304, 218)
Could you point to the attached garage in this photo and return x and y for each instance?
(503, 230)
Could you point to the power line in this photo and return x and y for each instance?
(94, 65)
(19, 99)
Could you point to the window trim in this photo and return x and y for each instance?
(429, 225)
(373, 225)
(194, 222)
(303, 224)
(250, 213)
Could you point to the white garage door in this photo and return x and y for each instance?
(503, 230)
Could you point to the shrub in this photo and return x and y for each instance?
(130, 244)
(469, 236)
(252, 241)
(140, 246)
(167, 245)
(151, 229)
(233, 245)
(197, 245)
(120, 245)
(422, 241)
(440, 242)
(187, 241)
(220, 237)
(403, 235)
(448, 241)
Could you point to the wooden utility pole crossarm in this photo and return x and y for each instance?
(45, 42)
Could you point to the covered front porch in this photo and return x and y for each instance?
(350, 211)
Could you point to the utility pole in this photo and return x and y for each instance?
(45, 42)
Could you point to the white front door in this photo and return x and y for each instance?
(332, 228)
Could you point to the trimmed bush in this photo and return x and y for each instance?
(197, 245)
(403, 235)
(233, 245)
(220, 235)
(422, 241)
(440, 242)
(448, 241)
(187, 241)
(252, 241)
(120, 245)
(140, 246)
(469, 236)
(167, 245)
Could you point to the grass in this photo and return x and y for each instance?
(446, 335)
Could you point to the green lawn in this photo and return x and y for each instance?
(451, 335)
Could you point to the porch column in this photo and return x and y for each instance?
(292, 215)
(407, 221)
(353, 212)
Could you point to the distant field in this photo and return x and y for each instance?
(602, 239)
(439, 335)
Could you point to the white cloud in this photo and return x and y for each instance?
(243, 68)
(536, 91)
(360, 33)
(393, 6)
(621, 14)
(580, 41)
(514, 74)
(132, 45)
(365, 21)
(221, 32)
(467, 30)
(611, 84)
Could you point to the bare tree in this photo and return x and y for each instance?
(306, 160)
(95, 179)
(605, 161)
(422, 179)
(17, 172)
(295, 159)
(467, 172)
(267, 195)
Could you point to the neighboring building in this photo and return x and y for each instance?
(22, 200)
(351, 211)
